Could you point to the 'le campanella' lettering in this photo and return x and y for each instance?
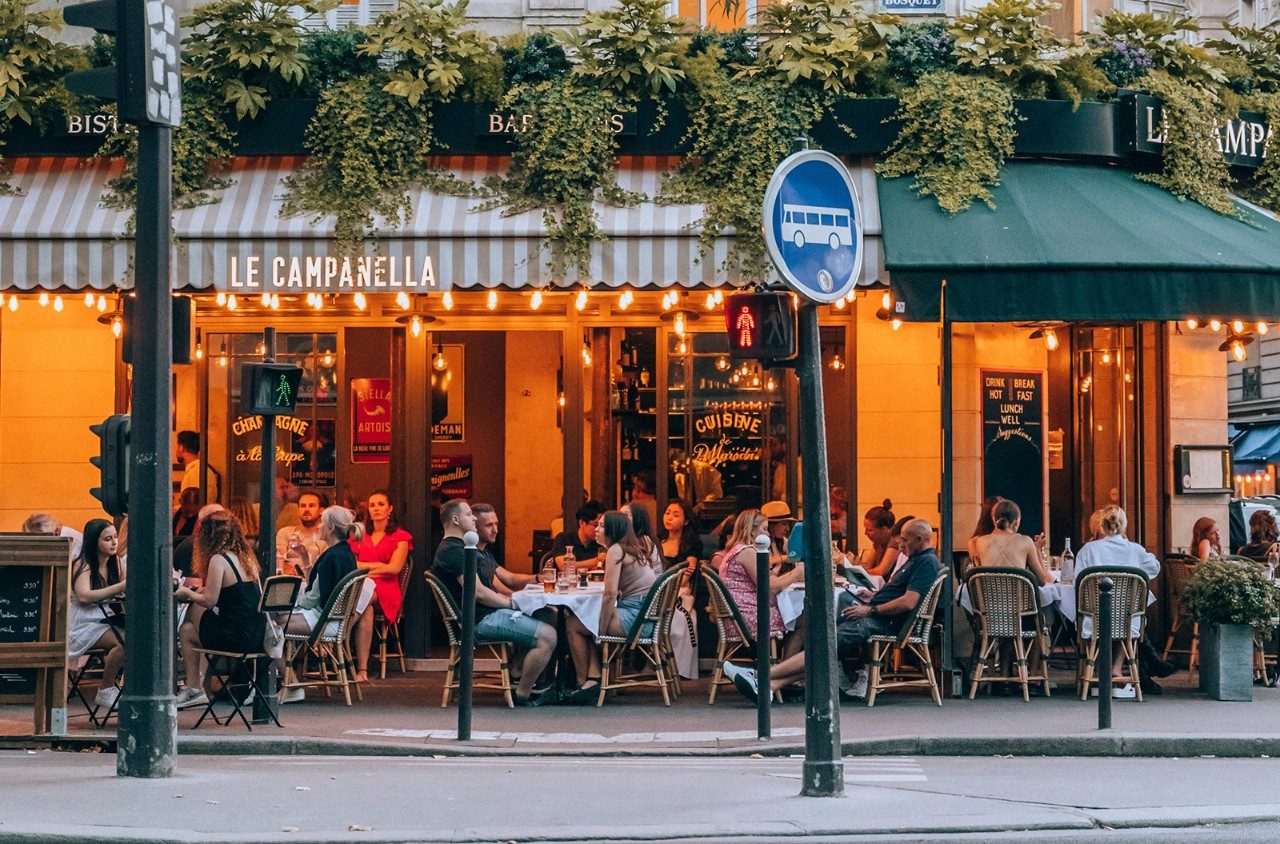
(317, 272)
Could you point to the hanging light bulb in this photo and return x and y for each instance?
(719, 294)
(1193, 324)
(447, 300)
(44, 299)
(1262, 328)
(266, 300)
(682, 348)
(581, 301)
(438, 362)
(88, 299)
(1238, 351)
(535, 301)
(755, 380)
(415, 326)
(710, 304)
(117, 327)
(222, 353)
(1050, 339)
(1237, 326)
(771, 385)
(402, 299)
(319, 302)
(667, 301)
(624, 301)
(275, 301)
(678, 324)
(231, 302)
(722, 363)
(327, 359)
(841, 304)
(57, 304)
(1106, 356)
(895, 323)
(260, 349)
(1215, 325)
(492, 300)
(886, 300)
(560, 399)
(13, 304)
(199, 346)
(586, 355)
(360, 301)
(221, 298)
(836, 362)
(102, 304)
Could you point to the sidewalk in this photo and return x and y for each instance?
(402, 716)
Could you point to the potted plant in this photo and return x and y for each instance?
(1231, 599)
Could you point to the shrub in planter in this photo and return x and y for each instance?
(1230, 599)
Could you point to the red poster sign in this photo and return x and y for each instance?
(370, 420)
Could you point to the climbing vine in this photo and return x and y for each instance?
(1192, 166)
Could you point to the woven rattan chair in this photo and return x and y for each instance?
(1179, 568)
(645, 640)
(1128, 605)
(1006, 605)
(912, 640)
(499, 650)
(734, 642)
(386, 633)
(329, 642)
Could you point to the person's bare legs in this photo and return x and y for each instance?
(188, 641)
(536, 660)
(582, 647)
(364, 642)
(112, 660)
(790, 670)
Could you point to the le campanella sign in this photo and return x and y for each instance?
(255, 274)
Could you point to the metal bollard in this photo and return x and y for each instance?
(763, 696)
(467, 657)
(1103, 634)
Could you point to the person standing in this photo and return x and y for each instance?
(303, 543)
(188, 454)
(383, 552)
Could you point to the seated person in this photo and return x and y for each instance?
(97, 576)
(1263, 536)
(875, 613)
(496, 615)
(738, 571)
(587, 552)
(1004, 546)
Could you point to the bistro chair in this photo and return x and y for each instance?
(499, 650)
(386, 633)
(913, 640)
(90, 671)
(233, 671)
(329, 642)
(1125, 626)
(1179, 568)
(1006, 605)
(734, 642)
(645, 639)
(685, 577)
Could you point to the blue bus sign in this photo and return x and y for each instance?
(813, 226)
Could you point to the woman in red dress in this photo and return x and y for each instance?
(383, 552)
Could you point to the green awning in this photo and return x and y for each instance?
(1077, 242)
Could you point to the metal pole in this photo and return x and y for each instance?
(763, 695)
(823, 769)
(466, 659)
(1103, 635)
(946, 505)
(148, 721)
(266, 550)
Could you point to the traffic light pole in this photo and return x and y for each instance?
(148, 732)
(264, 705)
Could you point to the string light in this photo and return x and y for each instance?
(57, 304)
(682, 348)
(266, 300)
(221, 298)
(44, 299)
(102, 304)
(402, 299)
(319, 302)
(1215, 325)
(88, 300)
(719, 294)
(231, 302)
(895, 323)
(535, 301)
(222, 353)
(836, 362)
(1050, 339)
(447, 300)
(1193, 324)
(841, 303)
(13, 304)
(275, 301)
(1237, 326)
(581, 302)
(199, 346)
(492, 300)
(722, 364)
(360, 301)
(1262, 328)
(1, 300)
(625, 300)
(586, 355)
(667, 301)
(415, 326)
(438, 362)
(886, 300)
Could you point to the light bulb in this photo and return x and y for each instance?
(666, 301)
(275, 301)
(1262, 328)
(624, 301)
(886, 300)
(719, 294)
(535, 301)
(1050, 339)
(260, 349)
(586, 355)
(710, 304)
(402, 300)
(88, 300)
(415, 326)
(836, 363)
(438, 361)
(1237, 326)
(1193, 324)
(117, 327)
(493, 300)
(755, 380)
(447, 300)
(841, 304)
(682, 348)
(1215, 325)
(560, 399)
(896, 323)
(1106, 357)
(722, 363)
(266, 300)
(319, 302)
(679, 324)
(13, 304)
(1237, 351)
(231, 302)
(57, 304)
(771, 385)
(221, 298)
(199, 351)
(102, 304)
(581, 302)
(360, 301)
(44, 299)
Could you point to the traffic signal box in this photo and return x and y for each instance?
(761, 326)
(112, 463)
(269, 389)
(145, 80)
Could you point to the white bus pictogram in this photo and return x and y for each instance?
(802, 224)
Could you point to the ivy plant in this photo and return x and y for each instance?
(333, 56)
(827, 44)
(430, 49)
(1162, 40)
(956, 132)
(529, 60)
(1191, 166)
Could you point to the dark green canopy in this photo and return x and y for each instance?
(1078, 242)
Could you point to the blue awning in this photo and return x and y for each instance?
(1259, 445)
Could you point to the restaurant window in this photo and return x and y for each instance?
(1251, 383)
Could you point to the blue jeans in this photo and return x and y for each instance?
(628, 609)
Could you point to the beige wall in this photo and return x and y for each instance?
(56, 379)
(1197, 416)
(534, 445)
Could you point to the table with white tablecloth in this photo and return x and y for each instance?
(791, 604)
(584, 602)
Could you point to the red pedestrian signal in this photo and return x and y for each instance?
(761, 326)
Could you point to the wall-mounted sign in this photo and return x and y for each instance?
(448, 396)
(1243, 141)
(510, 123)
(327, 274)
(98, 123)
(728, 439)
(911, 7)
(452, 474)
(1202, 469)
(370, 420)
(298, 442)
(1013, 451)
(319, 444)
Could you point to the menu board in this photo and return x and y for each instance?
(1013, 452)
(19, 622)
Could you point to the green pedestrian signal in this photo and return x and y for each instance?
(269, 389)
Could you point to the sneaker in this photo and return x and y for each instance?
(1125, 692)
(190, 697)
(297, 694)
(734, 671)
(746, 685)
(107, 696)
(857, 689)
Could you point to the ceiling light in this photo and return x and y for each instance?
(447, 300)
(438, 362)
(415, 325)
(402, 299)
(492, 300)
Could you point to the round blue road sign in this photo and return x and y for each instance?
(813, 225)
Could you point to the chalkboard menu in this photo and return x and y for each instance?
(20, 588)
(1013, 456)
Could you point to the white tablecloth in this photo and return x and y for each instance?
(584, 603)
(791, 604)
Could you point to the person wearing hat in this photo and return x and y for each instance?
(780, 521)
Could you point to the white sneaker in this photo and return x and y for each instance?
(295, 694)
(1125, 692)
(733, 672)
(857, 689)
(190, 697)
(107, 696)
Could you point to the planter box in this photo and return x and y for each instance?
(1226, 661)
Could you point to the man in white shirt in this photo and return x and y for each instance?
(188, 454)
(305, 537)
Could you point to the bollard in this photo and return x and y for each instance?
(763, 696)
(467, 656)
(1103, 634)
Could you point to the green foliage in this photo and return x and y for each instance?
(430, 49)
(249, 50)
(737, 48)
(563, 164)
(1008, 41)
(740, 128)
(1258, 53)
(528, 61)
(629, 47)
(1192, 166)
(32, 67)
(333, 56)
(1232, 592)
(1264, 186)
(957, 131)
(919, 49)
(367, 146)
(1079, 78)
(1163, 40)
(825, 44)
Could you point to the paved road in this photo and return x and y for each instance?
(59, 796)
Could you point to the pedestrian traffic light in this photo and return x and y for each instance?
(269, 389)
(112, 462)
(145, 81)
(761, 326)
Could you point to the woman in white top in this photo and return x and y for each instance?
(1004, 546)
(1114, 548)
(97, 576)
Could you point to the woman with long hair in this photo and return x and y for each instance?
(627, 578)
(640, 526)
(678, 535)
(738, 571)
(985, 527)
(1004, 546)
(1205, 542)
(1264, 533)
(229, 571)
(247, 515)
(383, 551)
(97, 576)
(877, 526)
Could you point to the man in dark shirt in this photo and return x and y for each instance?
(496, 616)
(873, 613)
(586, 551)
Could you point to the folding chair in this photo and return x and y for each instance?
(279, 594)
(330, 641)
(913, 638)
(386, 633)
(91, 670)
(1128, 611)
(500, 650)
(1006, 603)
(734, 642)
(644, 639)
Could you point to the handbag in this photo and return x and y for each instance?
(273, 639)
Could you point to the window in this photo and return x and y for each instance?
(358, 13)
(842, 220)
(1251, 383)
(828, 220)
(811, 219)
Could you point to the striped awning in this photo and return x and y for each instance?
(56, 235)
